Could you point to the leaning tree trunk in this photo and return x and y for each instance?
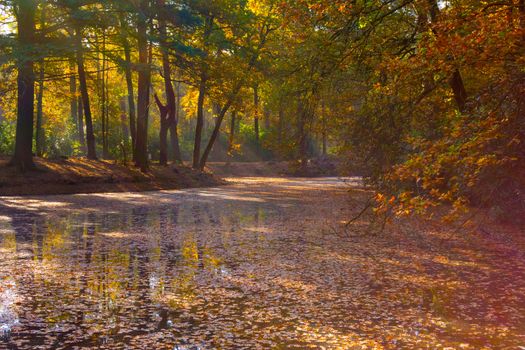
(231, 99)
(23, 156)
(144, 77)
(90, 136)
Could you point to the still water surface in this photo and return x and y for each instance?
(252, 265)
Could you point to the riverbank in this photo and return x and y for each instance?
(80, 175)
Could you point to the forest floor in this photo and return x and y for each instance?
(80, 175)
(257, 264)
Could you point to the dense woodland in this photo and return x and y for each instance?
(425, 98)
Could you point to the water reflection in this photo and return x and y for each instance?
(8, 315)
(216, 273)
(105, 278)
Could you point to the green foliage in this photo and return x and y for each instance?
(7, 137)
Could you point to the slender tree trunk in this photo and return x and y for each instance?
(103, 83)
(214, 135)
(39, 132)
(23, 156)
(200, 122)
(256, 114)
(144, 78)
(129, 84)
(124, 123)
(163, 132)
(233, 95)
(281, 122)
(301, 133)
(267, 117)
(175, 144)
(177, 155)
(107, 110)
(171, 106)
(73, 100)
(458, 88)
(90, 136)
(220, 118)
(81, 137)
(323, 127)
(232, 133)
(200, 101)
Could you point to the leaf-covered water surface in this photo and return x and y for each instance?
(258, 264)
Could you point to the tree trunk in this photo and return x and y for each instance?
(302, 115)
(214, 135)
(90, 136)
(200, 122)
(124, 123)
(281, 123)
(107, 110)
(129, 85)
(39, 132)
(323, 127)
(103, 104)
(267, 117)
(23, 156)
(73, 100)
(175, 145)
(177, 155)
(81, 137)
(171, 106)
(233, 95)
(256, 115)
(200, 101)
(232, 133)
(163, 132)
(458, 88)
(144, 77)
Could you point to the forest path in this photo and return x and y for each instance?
(259, 263)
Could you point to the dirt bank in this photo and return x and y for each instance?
(80, 175)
